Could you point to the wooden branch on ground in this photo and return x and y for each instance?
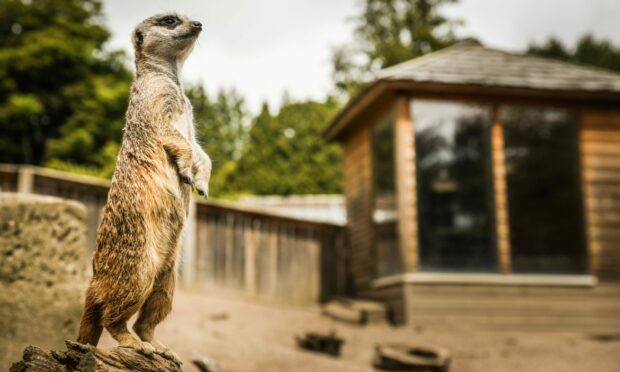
(86, 358)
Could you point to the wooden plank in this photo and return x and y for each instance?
(599, 162)
(250, 256)
(228, 250)
(263, 262)
(600, 148)
(188, 244)
(313, 247)
(601, 176)
(220, 264)
(210, 250)
(202, 249)
(502, 225)
(239, 252)
(605, 203)
(272, 269)
(608, 134)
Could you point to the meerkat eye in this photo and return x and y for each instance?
(169, 21)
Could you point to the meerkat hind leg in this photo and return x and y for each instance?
(154, 310)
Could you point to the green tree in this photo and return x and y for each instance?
(222, 130)
(62, 96)
(285, 153)
(389, 32)
(587, 51)
(221, 124)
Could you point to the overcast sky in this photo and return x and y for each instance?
(263, 48)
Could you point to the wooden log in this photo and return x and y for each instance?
(86, 358)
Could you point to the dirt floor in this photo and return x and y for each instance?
(242, 335)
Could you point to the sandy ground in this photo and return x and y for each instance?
(243, 335)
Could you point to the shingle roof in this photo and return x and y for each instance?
(469, 68)
(473, 64)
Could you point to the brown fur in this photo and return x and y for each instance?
(134, 264)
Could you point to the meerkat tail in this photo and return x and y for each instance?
(90, 326)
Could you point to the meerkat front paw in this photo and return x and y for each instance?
(203, 189)
(203, 174)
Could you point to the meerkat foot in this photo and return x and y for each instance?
(142, 347)
(170, 355)
(165, 352)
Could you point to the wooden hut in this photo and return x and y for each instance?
(484, 187)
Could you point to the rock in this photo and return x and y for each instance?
(42, 267)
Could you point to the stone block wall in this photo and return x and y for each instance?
(42, 267)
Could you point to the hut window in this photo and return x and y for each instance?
(454, 183)
(384, 213)
(544, 195)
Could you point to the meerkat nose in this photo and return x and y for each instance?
(196, 24)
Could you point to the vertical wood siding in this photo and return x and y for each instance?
(267, 255)
(600, 158)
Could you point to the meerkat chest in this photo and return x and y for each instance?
(185, 122)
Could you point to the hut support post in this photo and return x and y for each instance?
(404, 154)
(502, 227)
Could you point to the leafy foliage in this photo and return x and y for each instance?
(588, 51)
(389, 32)
(285, 153)
(62, 97)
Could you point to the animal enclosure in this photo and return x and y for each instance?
(243, 249)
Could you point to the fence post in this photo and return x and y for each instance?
(188, 246)
(25, 179)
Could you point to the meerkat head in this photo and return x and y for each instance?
(165, 36)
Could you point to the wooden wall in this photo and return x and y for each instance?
(268, 256)
(600, 150)
(514, 307)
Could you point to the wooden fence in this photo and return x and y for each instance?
(250, 250)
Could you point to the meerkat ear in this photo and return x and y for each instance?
(139, 38)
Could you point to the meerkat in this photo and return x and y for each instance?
(159, 163)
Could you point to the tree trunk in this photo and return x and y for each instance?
(86, 358)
